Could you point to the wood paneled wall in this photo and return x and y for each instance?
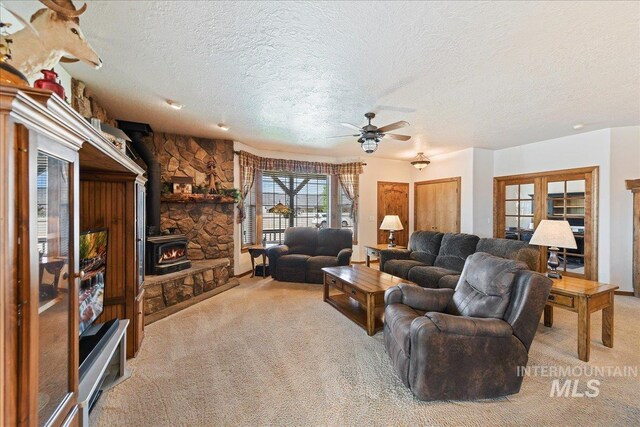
(108, 201)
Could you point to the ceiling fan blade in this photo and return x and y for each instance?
(393, 126)
(342, 136)
(398, 137)
(349, 125)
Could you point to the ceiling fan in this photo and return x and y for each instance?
(370, 135)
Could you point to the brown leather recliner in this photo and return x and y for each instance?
(468, 343)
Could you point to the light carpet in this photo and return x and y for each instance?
(273, 353)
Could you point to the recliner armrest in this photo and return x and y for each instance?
(344, 256)
(469, 326)
(274, 253)
(424, 299)
(277, 251)
(389, 254)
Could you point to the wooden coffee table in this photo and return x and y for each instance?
(362, 293)
(583, 297)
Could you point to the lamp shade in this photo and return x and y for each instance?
(391, 222)
(554, 234)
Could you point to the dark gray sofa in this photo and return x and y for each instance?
(307, 250)
(468, 343)
(435, 260)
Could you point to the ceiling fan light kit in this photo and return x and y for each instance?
(421, 162)
(370, 135)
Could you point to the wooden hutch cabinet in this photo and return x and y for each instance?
(49, 158)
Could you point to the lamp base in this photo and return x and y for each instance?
(392, 239)
(553, 264)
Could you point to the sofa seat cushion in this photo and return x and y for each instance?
(429, 277)
(450, 281)
(400, 267)
(315, 263)
(293, 261)
(399, 317)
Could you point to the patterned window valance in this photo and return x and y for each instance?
(251, 161)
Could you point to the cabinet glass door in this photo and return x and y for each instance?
(54, 287)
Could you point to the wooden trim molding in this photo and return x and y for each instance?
(634, 186)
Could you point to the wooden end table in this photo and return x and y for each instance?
(362, 293)
(254, 252)
(583, 297)
(374, 250)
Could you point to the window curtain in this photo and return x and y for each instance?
(349, 177)
(247, 177)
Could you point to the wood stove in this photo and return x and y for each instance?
(167, 253)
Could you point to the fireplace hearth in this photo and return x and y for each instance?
(167, 254)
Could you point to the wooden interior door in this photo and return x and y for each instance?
(437, 205)
(393, 199)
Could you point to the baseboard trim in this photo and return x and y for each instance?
(246, 273)
(149, 319)
(624, 293)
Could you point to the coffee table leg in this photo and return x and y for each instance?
(368, 260)
(584, 329)
(607, 325)
(371, 315)
(325, 295)
(548, 315)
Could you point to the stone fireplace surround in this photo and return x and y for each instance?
(208, 226)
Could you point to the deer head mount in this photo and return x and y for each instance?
(55, 33)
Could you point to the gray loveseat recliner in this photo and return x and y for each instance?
(435, 260)
(468, 343)
(307, 250)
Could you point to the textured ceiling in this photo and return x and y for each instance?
(283, 75)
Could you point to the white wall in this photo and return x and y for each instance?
(625, 164)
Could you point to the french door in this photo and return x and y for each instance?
(522, 201)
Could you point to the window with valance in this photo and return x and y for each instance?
(316, 194)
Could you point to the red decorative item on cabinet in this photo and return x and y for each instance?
(50, 82)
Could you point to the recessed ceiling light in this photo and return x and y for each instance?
(175, 105)
(223, 127)
(578, 126)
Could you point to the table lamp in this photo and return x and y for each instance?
(554, 234)
(393, 224)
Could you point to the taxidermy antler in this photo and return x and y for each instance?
(55, 33)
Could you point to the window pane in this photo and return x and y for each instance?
(526, 191)
(556, 188)
(511, 191)
(576, 187)
(526, 223)
(511, 207)
(296, 200)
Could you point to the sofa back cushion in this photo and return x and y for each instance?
(454, 250)
(333, 240)
(512, 249)
(424, 246)
(485, 286)
(301, 240)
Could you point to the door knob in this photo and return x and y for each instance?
(80, 275)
